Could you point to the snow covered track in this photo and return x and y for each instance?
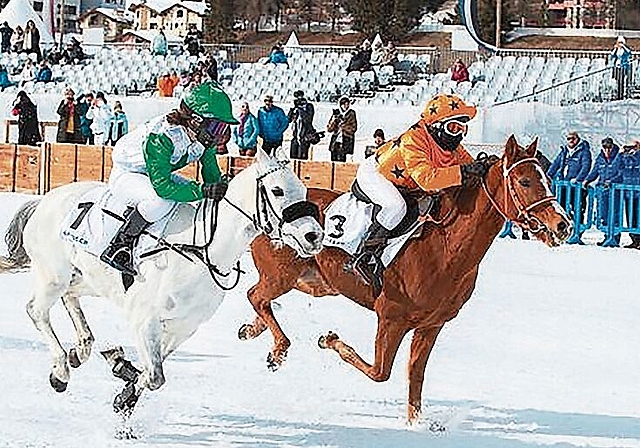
(545, 353)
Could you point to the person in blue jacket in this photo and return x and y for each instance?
(607, 169)
(245, 135)
(572, 164)
(44, 72)
(4, 78)
(272, 122)
(620, 58)
(630, 173)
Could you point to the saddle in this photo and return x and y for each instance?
(419, 205)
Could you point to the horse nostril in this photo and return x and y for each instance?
(562, 226)
(311, 237)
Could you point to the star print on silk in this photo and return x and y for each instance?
(397, 171)
(396, 142)
(433, 110)
(454, 105)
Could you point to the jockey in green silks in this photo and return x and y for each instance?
(145, 161)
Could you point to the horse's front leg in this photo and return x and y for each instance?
(81, 352)
(260, 297)
(421, 346)
(388, 337)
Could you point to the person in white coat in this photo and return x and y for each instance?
(102, 115)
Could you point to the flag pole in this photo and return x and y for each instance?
(498, 22)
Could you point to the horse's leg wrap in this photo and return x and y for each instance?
(126, 371)
(125, 401)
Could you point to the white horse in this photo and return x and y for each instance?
(172, 295)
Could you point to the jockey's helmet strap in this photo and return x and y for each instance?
(299, 210)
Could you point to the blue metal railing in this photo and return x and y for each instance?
(612, 209)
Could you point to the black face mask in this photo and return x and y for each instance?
(444, 140)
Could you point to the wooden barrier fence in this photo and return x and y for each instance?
(38, 169)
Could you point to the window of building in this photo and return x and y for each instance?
(153, 26)
(69, 9)
(93, 21)
(37, 6)
(179, 13)
(154, 14)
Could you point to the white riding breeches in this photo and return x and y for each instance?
(381, 192)
(100, 139)
(136, 190)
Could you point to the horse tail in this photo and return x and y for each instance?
(18, 257)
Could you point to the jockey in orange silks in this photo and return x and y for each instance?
(428, 156)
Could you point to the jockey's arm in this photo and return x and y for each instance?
(426, 176)
(209, 167)
(157, 156)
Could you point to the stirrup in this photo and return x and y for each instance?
(370, 268)
(121, 259)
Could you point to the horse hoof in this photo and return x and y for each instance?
(74, 361)
(243, 332)
(272, 363)
(58, 386)
(324, 341)
(125, 401)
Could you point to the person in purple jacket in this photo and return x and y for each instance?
(608, 170)
(572, 164)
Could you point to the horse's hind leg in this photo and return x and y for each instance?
(80, 353)
(421, 346)
(388, 338)
(47, 292)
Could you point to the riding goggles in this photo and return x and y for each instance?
(456, 127)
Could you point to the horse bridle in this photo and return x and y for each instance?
(264, 209)
(524, 219)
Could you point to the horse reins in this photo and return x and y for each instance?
(524, 218)
(261, 221)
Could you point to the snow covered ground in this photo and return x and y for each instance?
(545, 353)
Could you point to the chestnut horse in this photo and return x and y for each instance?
(432, 277)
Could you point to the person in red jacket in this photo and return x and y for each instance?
(459, 72)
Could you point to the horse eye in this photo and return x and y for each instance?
(526, 183)
(277, 191)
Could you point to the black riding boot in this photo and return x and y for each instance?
(368, 263)
(119, 254)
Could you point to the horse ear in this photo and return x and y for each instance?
(511, 149)
(261, 156)
(281, 155)
(532, 148)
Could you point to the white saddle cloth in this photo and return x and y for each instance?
(88, 227)
(346, 222)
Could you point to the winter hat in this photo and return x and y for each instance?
(607, 141)
(621, 40)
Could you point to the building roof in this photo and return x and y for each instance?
(117, 15)
(161, 6)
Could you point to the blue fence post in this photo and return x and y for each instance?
(575, 190)
(507, 231)
(610, 240)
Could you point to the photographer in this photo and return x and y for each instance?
(304, 135)
(343, 125)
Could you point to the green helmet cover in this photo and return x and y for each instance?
(208, 100)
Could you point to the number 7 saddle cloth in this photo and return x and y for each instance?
(350, 215)
(89, 228)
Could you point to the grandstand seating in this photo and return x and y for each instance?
(321, 73)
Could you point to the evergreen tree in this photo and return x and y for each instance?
(219, 21)
(391, 18)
